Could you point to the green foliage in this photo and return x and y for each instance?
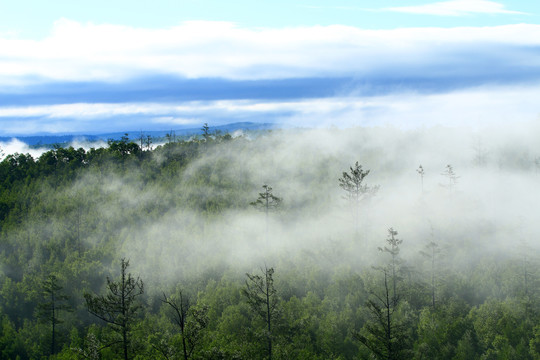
(75, 213)
(262, 297)
(119, 307)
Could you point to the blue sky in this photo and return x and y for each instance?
(96, 66)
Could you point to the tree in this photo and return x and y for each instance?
(123, 147)
(206, 131)
(119, 306)
(267, 202)
(263, 300)
(354, 188)
(191, 321)
(171, 137)
(480, 153)
(383, 335)
(53, 304)
(395, 261)
(451, 176)
(421, 172)
(431, 252)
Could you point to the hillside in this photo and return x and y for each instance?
(351, 251)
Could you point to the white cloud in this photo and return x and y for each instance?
(471, 108)
(16, 146)
(87, 52)
(171, 120)
(456, 8)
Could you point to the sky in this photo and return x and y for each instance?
(91, 67)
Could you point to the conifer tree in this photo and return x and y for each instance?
(356, 191)
(431, 252)
(55, 303)
(263, 300)
(119, 306)
(384, 335)
(393, 249)
(267, 202)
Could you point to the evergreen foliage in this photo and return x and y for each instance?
(170, 207)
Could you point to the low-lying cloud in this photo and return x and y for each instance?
(474, 108)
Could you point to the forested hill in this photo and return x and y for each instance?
(297, 244)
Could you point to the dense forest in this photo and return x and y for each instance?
(363, 243)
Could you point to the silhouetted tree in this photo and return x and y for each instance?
(118, 307)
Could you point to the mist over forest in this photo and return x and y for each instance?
(440, 242)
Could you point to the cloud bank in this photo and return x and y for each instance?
(86, 76)
(76, 51)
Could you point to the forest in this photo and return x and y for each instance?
(360, 243)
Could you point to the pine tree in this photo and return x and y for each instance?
(55, 301)
(263, 300)
(354, 188)
(395, 261)
(267, 202)
(119, 306)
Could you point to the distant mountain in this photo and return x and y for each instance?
(50, 139)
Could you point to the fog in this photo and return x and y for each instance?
(490, 213)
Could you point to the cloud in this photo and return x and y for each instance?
(112, 53)
(88, 77)
(456, 8)
(474, 108)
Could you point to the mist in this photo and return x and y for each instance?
(488, 214)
